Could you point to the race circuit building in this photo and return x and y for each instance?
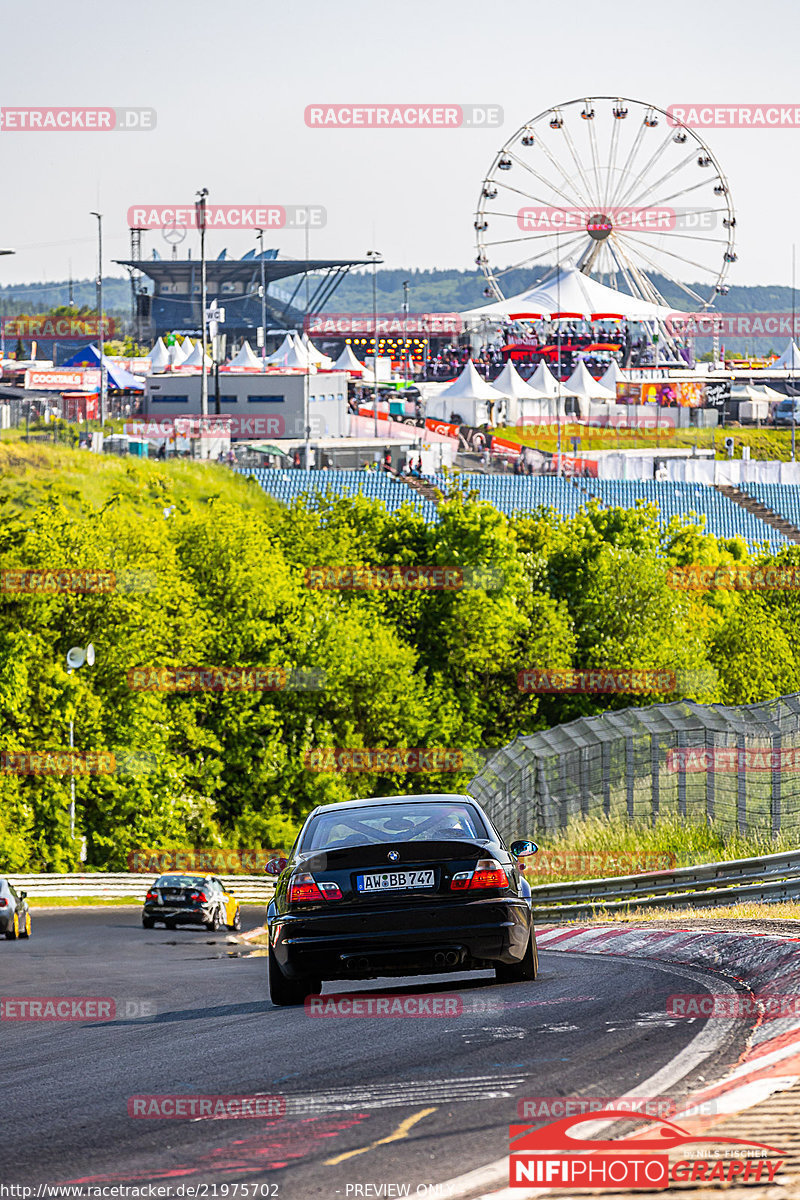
(171, 301)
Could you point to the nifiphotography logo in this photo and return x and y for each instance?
(560, 1159)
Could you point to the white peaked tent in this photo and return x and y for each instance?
(544, 381)
(297, 357)
(245, 358)
(179, 352)
(316, 356)
(612, 376)
(470, 397)
(279, 356)
(581, 383)
(570, 291)
(790, 359)
(195, 359)
(347, 361)
(159, 357)
(523, 400)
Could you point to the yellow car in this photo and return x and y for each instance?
(191, 900)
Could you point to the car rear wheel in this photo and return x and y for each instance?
(148, 922)
(237, 921)
(13, 933)
(25, 932)
(285, 992)
(525, 970)
(216, 922)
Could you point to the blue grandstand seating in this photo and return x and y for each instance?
(526, 493)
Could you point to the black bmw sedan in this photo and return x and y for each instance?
(404, 885)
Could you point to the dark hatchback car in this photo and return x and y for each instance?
(190, 900)
(405, 885)
(15, 916)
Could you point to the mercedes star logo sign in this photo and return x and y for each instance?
(393, 856)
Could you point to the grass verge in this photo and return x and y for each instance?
(763, 443)
(785, 910)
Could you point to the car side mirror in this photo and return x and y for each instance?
(275, 866)
(23, 895)
(521, 849)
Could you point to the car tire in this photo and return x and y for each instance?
(148, 923)
(523, 971)
(285, 993)
(170, 925)
(13, 933)
(26, 930)
(237, 921)
(216, 922)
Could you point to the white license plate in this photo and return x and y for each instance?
(394, 881)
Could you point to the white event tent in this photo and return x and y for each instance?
(159, 357)
(315, 356)
(179, 352)
(612, 376)
(522, 399)
(347, 361)
(790, 359)
(572, 295)
(195, 359)
(245, 359)
(469, 396)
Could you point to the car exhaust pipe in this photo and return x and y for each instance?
(440, 959)
(451, 958)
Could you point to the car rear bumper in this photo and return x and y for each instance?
(179, 916)
(401, 940)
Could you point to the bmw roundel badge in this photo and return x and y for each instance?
(393, 856)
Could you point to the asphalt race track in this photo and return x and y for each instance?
(403, 1101)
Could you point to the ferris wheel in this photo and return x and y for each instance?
(618, 189)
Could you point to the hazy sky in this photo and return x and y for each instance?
(230, 83)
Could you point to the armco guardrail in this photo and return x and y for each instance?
(770, 878)
(250, 889)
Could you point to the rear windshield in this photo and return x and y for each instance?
(393, 823)
(180, 881)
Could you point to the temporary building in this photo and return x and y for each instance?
(279, 356)
(582, 384)
(179, 352)
(118, 376)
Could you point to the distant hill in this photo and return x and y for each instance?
(429, 291)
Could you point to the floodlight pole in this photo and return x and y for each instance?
(103, 376)
(373, 254)
(200, 210)
(260, 233)
(558, 358)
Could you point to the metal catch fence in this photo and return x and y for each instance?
(737, 767)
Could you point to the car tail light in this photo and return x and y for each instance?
(331, 890)
(3, 904)
(303, 889)
(151, 896)
(487, 874)
(201, 896)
